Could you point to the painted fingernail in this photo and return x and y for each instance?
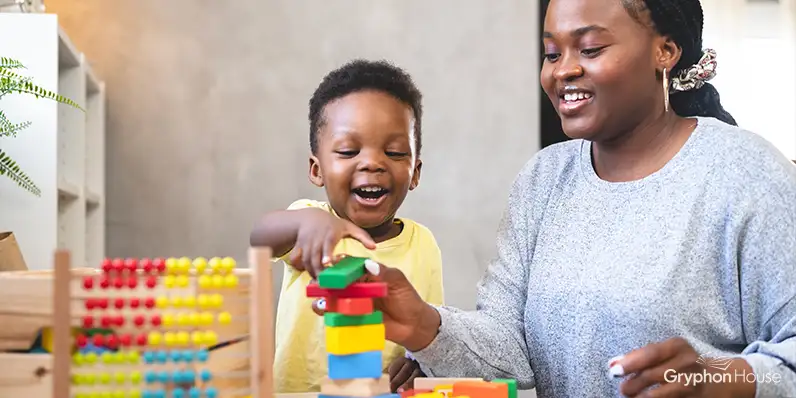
(321, 304)
(326, 260)
(372, 267)
(400, 389)
(615, 369)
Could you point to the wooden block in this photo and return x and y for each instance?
(481, 389)
(445, 389)
(512, 385)
(350, 306)
(428, 383)
(346, 396)
(343, 273)
(355, 366)
(355, 290)
(357, 387)
(335, 319)
(344, 340)
(412, 392)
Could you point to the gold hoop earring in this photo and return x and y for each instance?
(665, 90)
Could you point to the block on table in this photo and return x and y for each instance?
(344, 340)
(354, 366)
(356, 387)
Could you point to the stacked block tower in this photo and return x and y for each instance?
(355, 335)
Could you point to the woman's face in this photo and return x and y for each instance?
(601, 68)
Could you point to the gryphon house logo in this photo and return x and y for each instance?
(717, 362)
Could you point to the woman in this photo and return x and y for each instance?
(659, 243)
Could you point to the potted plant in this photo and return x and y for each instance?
(12, 82)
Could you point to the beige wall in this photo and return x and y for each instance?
(207, 105)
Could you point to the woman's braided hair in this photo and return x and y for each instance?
(682, 20)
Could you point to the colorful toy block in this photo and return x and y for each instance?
(480, 389)
(350, 306)
(354, 290)
(364, 365)
(357, 387)
(344, 340)
(343, 273)
(335, 319)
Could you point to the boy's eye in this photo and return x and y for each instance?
(396, 154)
(347, 153)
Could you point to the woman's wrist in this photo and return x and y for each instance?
(425, 331)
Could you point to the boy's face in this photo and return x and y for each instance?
(366, 157)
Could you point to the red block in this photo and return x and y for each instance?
(480, 389)
(350, 306)
(355, 290)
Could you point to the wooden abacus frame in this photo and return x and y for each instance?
(260, 311)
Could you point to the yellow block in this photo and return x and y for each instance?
(345, 340)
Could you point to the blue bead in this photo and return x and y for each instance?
(194, 392)
(150, 377)
(206, 375)
(146, 394)
(187, 356)
(211, 392)
(178, 393)
(158, 394)
(162, 356)
(149, 357)
(176, 356)
(188, 376)
(202, 355)
(164, 377)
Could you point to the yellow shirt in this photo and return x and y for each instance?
(300, 355)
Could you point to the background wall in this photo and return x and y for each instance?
(207, 113)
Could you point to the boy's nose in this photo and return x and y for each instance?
(371, 162)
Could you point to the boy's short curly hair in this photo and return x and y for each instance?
(359, 75)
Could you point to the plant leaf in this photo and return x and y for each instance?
(10, 63)
(10, 169)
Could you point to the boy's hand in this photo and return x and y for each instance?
(402, 373)
(317, 237)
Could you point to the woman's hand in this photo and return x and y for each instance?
(318, 234)
(672, 369)
(402, 373)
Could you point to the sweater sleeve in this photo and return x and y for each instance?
(490, 341)
(767, 265)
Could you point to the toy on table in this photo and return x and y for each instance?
(355, 338)
(160, 318)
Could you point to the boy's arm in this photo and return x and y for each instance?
(279, 229)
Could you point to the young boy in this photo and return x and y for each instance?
(365, 143)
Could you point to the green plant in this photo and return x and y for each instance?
(12, 82)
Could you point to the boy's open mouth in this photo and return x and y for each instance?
(370, 193)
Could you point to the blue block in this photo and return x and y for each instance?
(355, 366)
(374, 396)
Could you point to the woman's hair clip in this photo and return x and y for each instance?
(695, 76)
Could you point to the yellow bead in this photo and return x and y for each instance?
(199, 264)
(210, 337)
(203, 301)
(228, 264)
(184, 265)
(105, 394)
(155, 338)
(162, 302)
(189, 301)
(78, 359)
(231, 280)
(182, 281)
(204, 281)
(224, 318)
(119, 394)
(218, 281)
(134, 393)
(216, 300)
(182, 319)
(169, 338)
(206, 318)
(197, 337)
(183, 337)
(119, 377)
(119, 357)
(176, 301)
(104, 378)
(90, 358)
(133, 357)
(135, 377)
(168, 281)
(171, 265)
(77, 379)
(193, 319)
(107, 357)
(215, 264)
(168, 320)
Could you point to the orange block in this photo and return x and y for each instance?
(480, 389)
(411, 393)
(350, 306)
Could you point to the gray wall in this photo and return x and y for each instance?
(207, 105)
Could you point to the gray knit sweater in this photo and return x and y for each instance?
(704, 249)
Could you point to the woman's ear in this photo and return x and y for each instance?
(669, 53)
(315, 171)
(416, 175)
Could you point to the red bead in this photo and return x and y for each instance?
(135, 302)
(160, 265)
(141, 339)
(149, 302)
(105, 282)
(113, 341)
(88, 321)
(118, 282)
(107, 265)
(139, 320)
(91, 303)
(118, 303)
(106, 321)
(132, 282)
(146, 265)
(98, 340)
(88, 282)
(118, 264)
(156, 320)
(126, 340)
(131, 264)
(81, 340)
(151, 282)
(102, 303)
(118, 320)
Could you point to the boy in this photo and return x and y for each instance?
(365, 142)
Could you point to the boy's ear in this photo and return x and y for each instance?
(416, 176)
(315, 171)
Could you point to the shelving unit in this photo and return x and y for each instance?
(63, 150)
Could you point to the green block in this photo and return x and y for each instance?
(335, 319)
(512, 386)
(342, 274)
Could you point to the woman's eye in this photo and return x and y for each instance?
(590, 52)
(552, 56)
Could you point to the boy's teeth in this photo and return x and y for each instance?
(371, 189)
(576, 96)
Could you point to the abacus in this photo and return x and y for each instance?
(147, 328)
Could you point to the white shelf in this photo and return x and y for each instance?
(63, 151)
